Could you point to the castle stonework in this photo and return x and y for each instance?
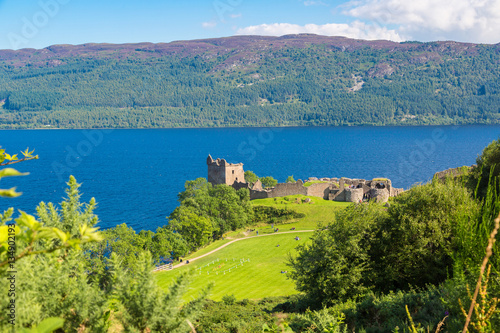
(343, 189)
(221, 172)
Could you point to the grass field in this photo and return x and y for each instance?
(255, 264)
(319, 211)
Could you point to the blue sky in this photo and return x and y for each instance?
(40, 23)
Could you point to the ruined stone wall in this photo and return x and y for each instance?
(284, 189)
(353, 194)
(396, 191)
(338, 195)
(259, 194)
(216, 174)
(234, 173)
(321, 190)
(350, 190)
(221, 172)
(379, 195)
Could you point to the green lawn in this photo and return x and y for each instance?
(310, 182)
(255, 264)
(260, 276)
(319, 211)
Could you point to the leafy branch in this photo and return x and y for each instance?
(7, 159)
(29, 231)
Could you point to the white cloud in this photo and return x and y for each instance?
(233, 16)
(356, 29)
(209, 24)
(462, 20)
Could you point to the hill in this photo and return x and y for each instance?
(250, 81)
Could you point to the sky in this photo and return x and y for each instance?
(41, 23)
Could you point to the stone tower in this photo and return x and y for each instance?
(221, 172)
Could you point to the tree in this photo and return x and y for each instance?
(144, 307)
(290, 180)
(193, 188)
(167, 243)
(268, 181)
(335, 266)
(33, 237)
(488, 166)
(196, 229)
(415, 243)
(251, 177)
(58, 284)
(226, 208)
(52, 279)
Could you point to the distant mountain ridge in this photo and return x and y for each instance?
(238, 44)
(290, 80)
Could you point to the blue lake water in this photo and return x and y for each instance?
(135, 175)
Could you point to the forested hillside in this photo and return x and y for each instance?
(250, 81)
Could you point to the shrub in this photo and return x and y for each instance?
(229, 299)
(275, 215)
(335, 266)
(415, 243)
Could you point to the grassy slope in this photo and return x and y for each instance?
(261, 276)
(319, 211)
(257, 278)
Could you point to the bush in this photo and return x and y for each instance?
(335, 266)
(415, 243)
(326, 320)
(229, 299)
(244, 316)
(275, 215)
(488, 166)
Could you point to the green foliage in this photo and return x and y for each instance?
(229, 299)
(48, 325)
(251, 177)
(409, 244)
(270, 214)
(59, 286)
(285, 86)
(336, 265)
(52, 279)
(196, 230)
(488, 166)
(383, 313)
(327, 320)
(242, 316)
(7, 159)
(73, 215)
(415, 243)
(268, 181)
(143, 307)
(53, 232)
(215, 209)
(290, 180)
(167, 243)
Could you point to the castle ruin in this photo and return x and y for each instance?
(336, 189)
(221, 172)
